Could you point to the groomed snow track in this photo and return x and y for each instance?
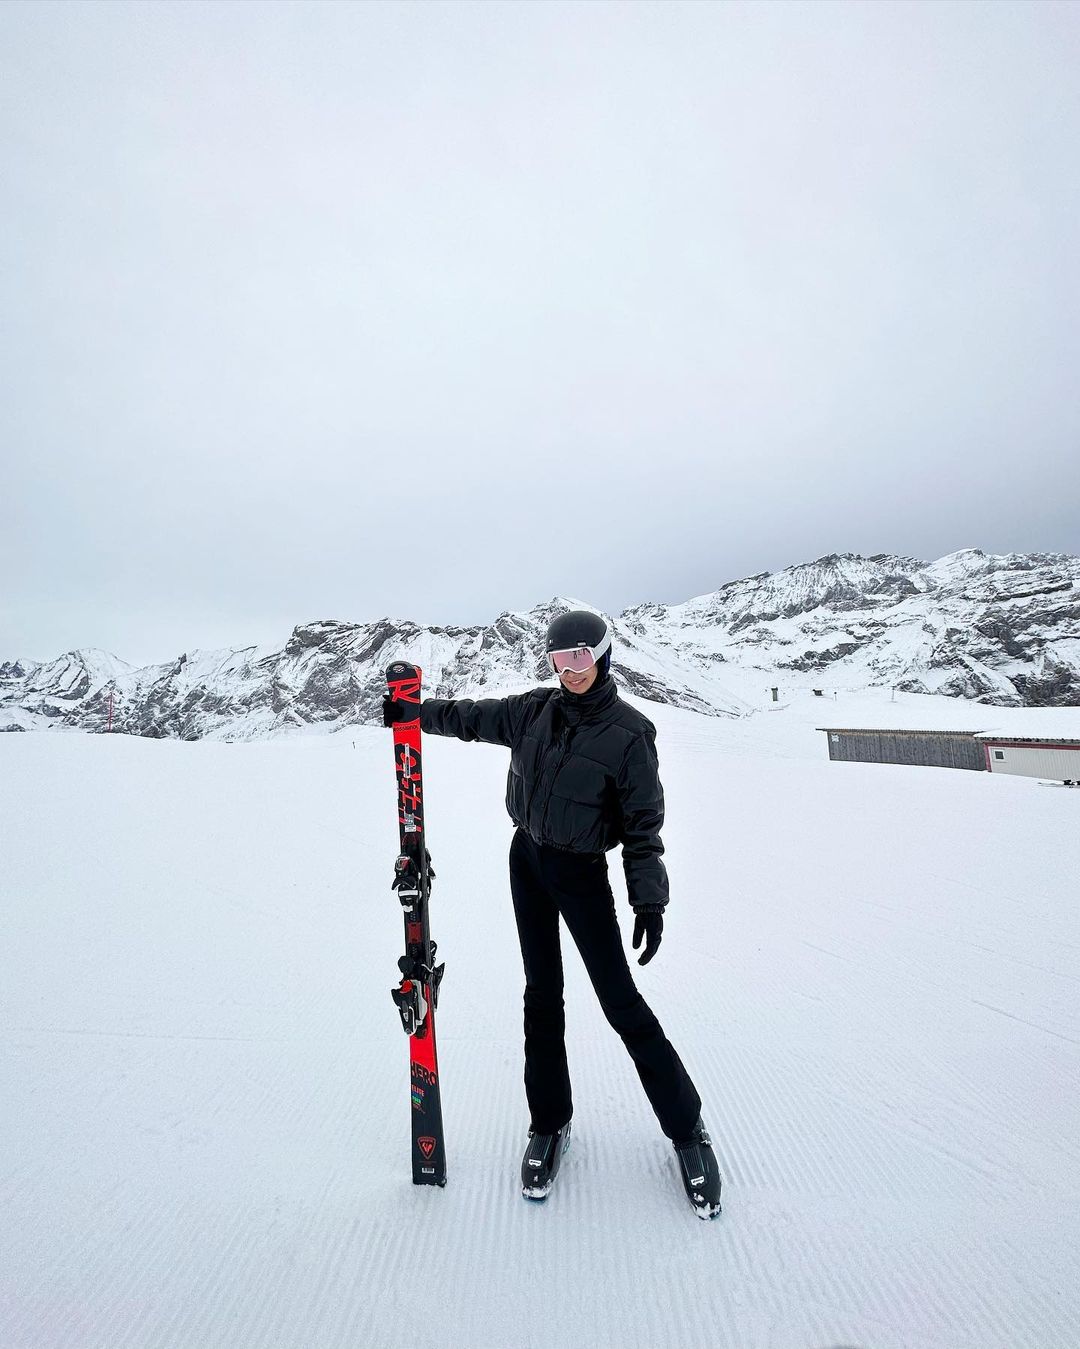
(871, 972)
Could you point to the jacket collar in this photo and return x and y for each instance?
(578, 707)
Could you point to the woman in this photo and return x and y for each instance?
(583, 778)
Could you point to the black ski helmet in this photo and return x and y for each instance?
(579, 627)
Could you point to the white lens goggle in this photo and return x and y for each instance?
(576, 659)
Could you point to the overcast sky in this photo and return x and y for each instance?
(435, 310)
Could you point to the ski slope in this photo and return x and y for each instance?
(871, 972)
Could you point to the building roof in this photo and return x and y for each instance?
(1001, 737)
(891, 730)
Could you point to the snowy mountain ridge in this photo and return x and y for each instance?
(998, 629)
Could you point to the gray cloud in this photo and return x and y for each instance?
(326, 310)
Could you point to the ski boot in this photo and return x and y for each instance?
(700, 1172)
(540, 1165)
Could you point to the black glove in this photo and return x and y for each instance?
(648, 924)
(393, 710)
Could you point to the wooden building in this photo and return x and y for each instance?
(929, 749)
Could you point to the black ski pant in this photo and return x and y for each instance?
(546, 883)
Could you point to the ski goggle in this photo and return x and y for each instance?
(576, 660)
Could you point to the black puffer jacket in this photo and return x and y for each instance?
(583, 772)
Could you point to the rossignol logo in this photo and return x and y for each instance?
(426, 1146)
(405, 690)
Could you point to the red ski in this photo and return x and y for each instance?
(418, 993)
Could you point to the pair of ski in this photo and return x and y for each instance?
(417, 995)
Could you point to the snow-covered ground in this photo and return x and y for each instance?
(871, 971)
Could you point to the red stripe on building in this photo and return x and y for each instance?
(1028, 744)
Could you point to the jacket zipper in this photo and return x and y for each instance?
(555, 774)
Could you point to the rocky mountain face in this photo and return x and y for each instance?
(997, 629)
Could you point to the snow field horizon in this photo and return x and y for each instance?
(869, 970)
